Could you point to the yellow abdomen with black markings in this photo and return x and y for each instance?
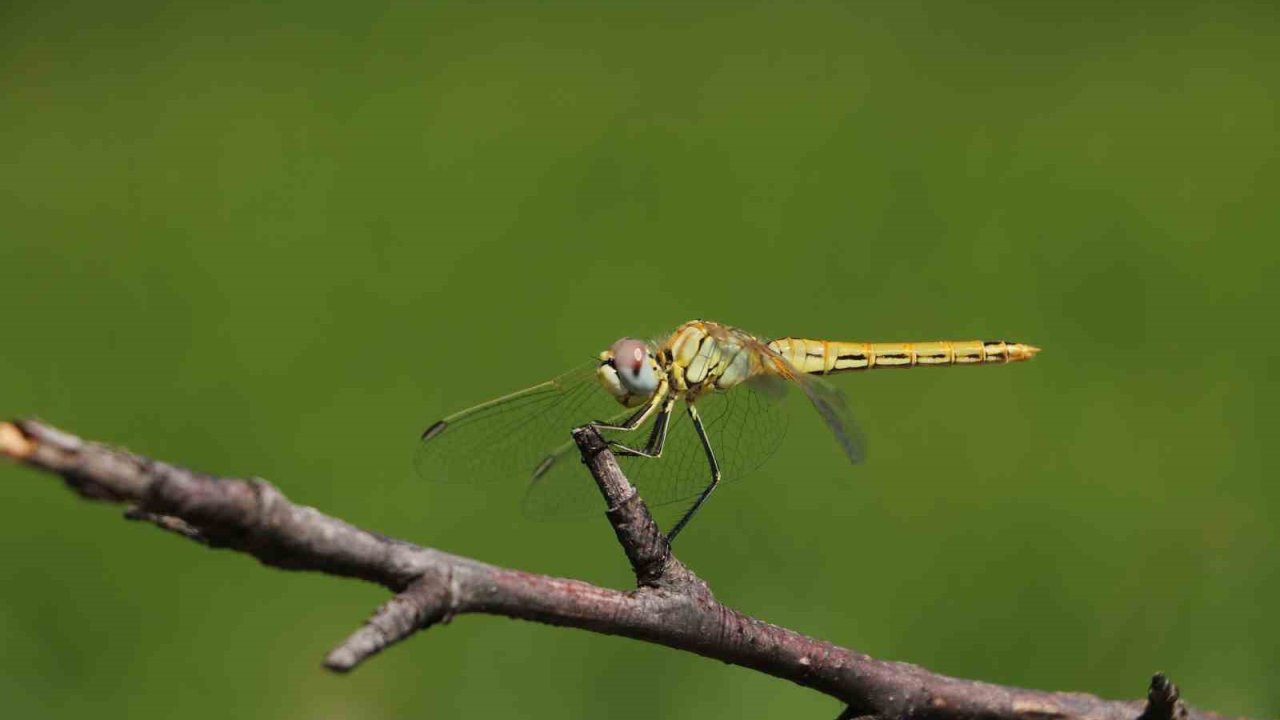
(824, 357)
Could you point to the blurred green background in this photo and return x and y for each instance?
(280, 239)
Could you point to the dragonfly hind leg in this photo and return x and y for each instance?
(715, 475)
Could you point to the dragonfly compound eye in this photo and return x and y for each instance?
(635, 366)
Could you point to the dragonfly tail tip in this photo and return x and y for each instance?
(1022, 351)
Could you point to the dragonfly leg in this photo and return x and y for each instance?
(657, 438)
(715, 475)
(637, 419)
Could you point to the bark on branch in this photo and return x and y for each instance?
(670, 605)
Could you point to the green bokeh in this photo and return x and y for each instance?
(278, 240)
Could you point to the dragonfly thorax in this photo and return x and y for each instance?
(705, 357)
(629, 372)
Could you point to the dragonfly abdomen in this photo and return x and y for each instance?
(825, 357)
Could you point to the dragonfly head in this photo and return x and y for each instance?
(629, 371)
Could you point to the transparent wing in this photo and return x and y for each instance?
(828, 400)
(831, 404)
(745, 425)
(506, 438)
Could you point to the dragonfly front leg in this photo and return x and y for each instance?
(657, 438)
(637, 419)
(715, 475)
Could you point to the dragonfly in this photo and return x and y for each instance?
(728, 383)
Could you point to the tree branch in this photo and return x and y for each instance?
(670, 605)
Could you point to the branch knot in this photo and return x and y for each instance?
(1163, 700)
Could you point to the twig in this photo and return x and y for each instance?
(641, 539)
(670, 605)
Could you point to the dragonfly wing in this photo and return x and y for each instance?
(832, 405)
(510, 436)
(828, 400)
